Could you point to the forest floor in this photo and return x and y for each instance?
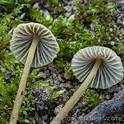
(44, 101)
(67, 82)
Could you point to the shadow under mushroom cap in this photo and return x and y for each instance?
(109, 73)
(22, 38)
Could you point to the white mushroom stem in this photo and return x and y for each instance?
(22, 85)
(76, 96)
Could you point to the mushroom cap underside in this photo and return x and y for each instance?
(109, 73)
(22, 38)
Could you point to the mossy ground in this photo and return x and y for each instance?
(75, 24)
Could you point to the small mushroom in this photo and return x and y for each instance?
(34, 45)
(97, 67)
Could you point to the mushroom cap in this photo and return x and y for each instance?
(109, 73)
(22, 38)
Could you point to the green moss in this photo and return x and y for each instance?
(91, 98)
(88, 25)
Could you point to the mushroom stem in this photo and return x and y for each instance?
(22, 85)
(76, 96)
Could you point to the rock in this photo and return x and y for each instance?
(41, 11)
(41, 96)
(68, 8)
(67, 76)
(79, 104)
(39, 121)
(120, 22)
(46, 12)
(67, 14)
(83, 103)
(8, 75)
(45, 95)
(58, 109)
(107, 97)
(51, 82)
(25, 113)
(36, 6)
(47, 72)
(65, 97)
(110, 29)
(112, 43)
(101, 96)
(28, 5)
(59, 77)
(43, 75)
(2, 69)
(54, 75)
(121, 3)
(56, 83)
(68, 85)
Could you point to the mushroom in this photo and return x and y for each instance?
(97, 67)
(34, 45)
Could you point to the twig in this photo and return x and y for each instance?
(108, 108)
